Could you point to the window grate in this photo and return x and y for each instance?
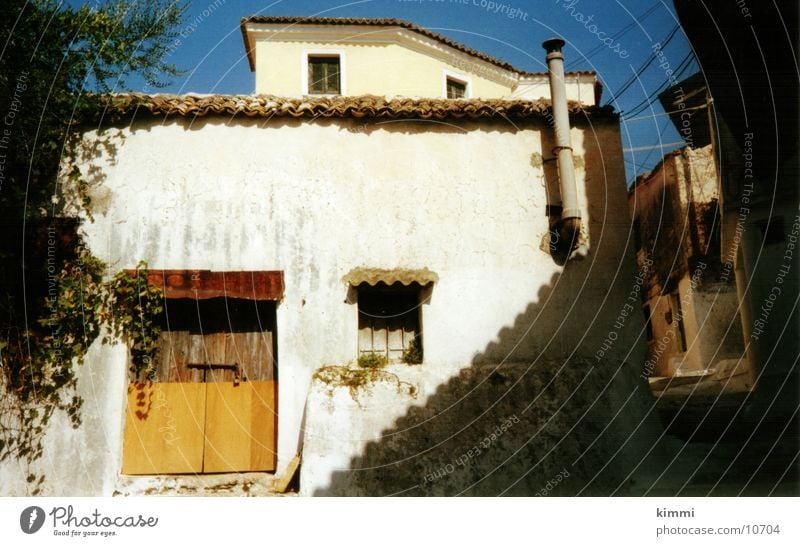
(388, 320)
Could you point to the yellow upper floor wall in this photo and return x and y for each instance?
(388, 60)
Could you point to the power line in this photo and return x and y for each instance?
(624, 30)
(652, 147)
(641, 70)
(659, 145)
(642, 106)
(635, 77)
(693, 108)
(642, 165)
(684, 64)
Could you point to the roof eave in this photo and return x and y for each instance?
(247, 47)
(400, 23)
(359, 107)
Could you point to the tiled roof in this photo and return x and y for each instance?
(293, 20)
(372, 276)
(364, 106)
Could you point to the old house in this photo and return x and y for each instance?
(692, 313)
(389, 195)
(757, 153)
(734, 113)
(749, 218)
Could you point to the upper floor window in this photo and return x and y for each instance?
(324, 75)
(456, 89)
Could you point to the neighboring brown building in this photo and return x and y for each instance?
(693, 327)
(754, 91)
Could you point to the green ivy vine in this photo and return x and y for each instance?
(38, 372)
(58, 64)
(136, 307)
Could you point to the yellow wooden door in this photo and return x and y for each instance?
(240, 427)
(164, 428)
(180, 428)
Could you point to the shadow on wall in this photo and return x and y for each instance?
(535, 412)
(515, 428)
(571, 427)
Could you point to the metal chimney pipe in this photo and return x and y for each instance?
(569, 226)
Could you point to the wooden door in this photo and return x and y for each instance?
(212, 407)
(252, 352)
(182, 428)
(164, 428)
(240, 427)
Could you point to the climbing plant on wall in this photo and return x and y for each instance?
(53, 301)
(135, 307)
(125, 308)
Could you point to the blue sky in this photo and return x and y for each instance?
(212, 52)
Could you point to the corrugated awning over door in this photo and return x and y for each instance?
(373, 276)
(204, 284)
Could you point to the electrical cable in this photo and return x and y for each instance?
(658, 144)
(642, 106)
(635, 76)
(616, 36)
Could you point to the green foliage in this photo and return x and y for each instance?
(136, 307)
(413, 355)
(122, 37)
(71, 325)
(38, 363)
(42, 379)
(360, 379)
(56, 62)
(372, 360)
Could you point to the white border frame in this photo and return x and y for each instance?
(462, 78)
(331, 52)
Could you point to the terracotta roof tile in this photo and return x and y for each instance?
(294, 20)
(364, 106)
(372, 276)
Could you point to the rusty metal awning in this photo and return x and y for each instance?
(373, 276)
(204, 284)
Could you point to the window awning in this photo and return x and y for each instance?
(204, 284)
(373, 276)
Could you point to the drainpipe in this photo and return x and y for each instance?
(569, 225)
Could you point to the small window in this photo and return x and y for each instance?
(324, 75)
(456, 89)
(389, 322)
(676, 314)
(648, 322)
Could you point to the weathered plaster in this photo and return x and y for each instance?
(317, 199)
(676, 210)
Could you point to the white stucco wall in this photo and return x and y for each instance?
(317, 199)
(579, 87)
(83, 461)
